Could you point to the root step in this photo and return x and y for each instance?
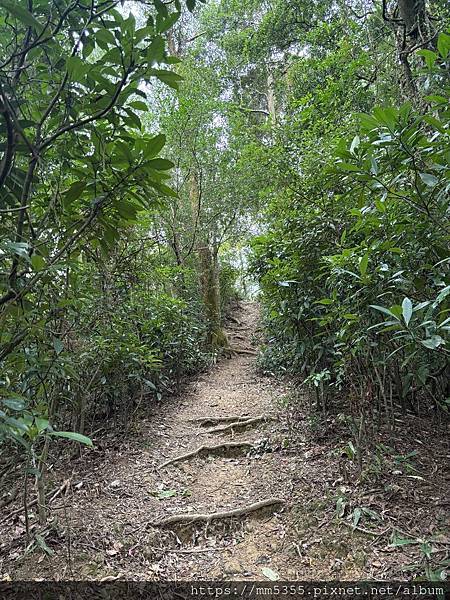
(203, 421)
(208, 450)
(236, 425)
(208, 517)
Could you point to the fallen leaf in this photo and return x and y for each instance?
(270, 574)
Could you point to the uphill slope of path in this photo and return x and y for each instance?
(107, 523)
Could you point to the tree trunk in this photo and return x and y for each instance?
(209, 280)
(271, 98)
(208, 272)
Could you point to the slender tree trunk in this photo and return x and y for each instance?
(208, 271)
(271, 98)
(209, 280)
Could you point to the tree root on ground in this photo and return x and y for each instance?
(207, 518)
(236, 425)
(202, 421)
(207, 450)
(242, 351)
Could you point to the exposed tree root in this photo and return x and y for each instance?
(202, 421)
(236, 425)
(207, 450)
(228, 514)
(242, 351)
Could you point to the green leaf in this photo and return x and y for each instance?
(155, 51)
(190, 4)
(71, 435)
(168, 77)
(363, 263)
(160, 164)
(347, 166)
(165, 190)
(443, 45)
(429, 56)
(75, 191)
(76, 68)
(20, 248)
(384, 310)
(397, 541)
(355, 144)
(163, 494)
(21, 13)
(38, 262)
(433, 342)
(154, 146)
(58, 345)
(139, 105)
(356, 516)
(164, 24)
(428, 179)
(14, 403)
(407, 310)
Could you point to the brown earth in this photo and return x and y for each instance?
(104, 524)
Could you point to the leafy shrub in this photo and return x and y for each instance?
(357, 285)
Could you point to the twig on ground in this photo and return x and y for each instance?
(54, 494)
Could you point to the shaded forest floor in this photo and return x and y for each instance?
(103, 524)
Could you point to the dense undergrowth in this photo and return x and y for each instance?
(146, 145)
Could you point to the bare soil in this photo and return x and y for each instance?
(104, 525)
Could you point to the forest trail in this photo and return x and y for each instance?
(106, 523)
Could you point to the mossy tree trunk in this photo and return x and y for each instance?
(208, 272)
(210, 285)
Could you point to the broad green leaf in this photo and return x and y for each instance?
(154, 146)
(355, 144)
(14, 403)
(384, 310)
(429, 56)
(168, 77)
(21, 13)
(160, 164)
(356, 516)
(76, 68)
(164, 24)
(58, 345)
(397, 541)
(164, 494)
(443, 45)
(347, 166)
(41, 424)
(38, 262)
(433, 342)
(75, 191)
(363, 263)
(139, 105)
(71, 435)
(155, 51)
(407, 310)
(428, 179)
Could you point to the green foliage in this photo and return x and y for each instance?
(357, 284)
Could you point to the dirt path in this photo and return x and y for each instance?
(104, 524)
